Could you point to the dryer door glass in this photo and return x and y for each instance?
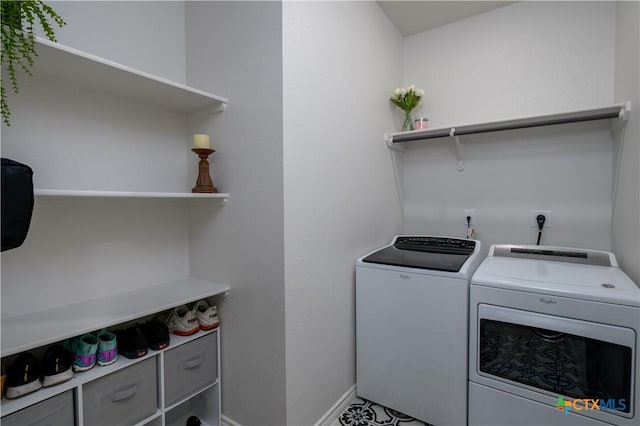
(554, 360)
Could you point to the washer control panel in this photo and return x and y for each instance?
(435, 244)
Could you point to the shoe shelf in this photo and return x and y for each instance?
(82, 378)
(35, 329)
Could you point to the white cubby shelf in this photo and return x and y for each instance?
(9, 406)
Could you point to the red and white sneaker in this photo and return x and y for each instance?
(182, 321)
(207, 315)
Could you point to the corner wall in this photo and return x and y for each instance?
(235, 49)
(342, 60)
(147, 35)
(626, 207)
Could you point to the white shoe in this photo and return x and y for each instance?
(182, 321)
(207, 315)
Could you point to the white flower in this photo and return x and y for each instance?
(420, 92)
(396, 92)
(403, 91)
(411, 88)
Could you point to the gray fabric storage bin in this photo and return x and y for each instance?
(190, 367)
(122, 398)
(55, 411)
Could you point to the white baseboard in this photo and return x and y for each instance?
(331, 416)
(226, 421)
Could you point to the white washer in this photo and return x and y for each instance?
(411, 326)
(553, 339)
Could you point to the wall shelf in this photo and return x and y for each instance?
(60, 63)
(124, 194)
(620, 112)
(34, 329)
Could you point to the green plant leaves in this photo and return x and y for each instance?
(18, 40)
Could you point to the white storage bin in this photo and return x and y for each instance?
(190, 367)
(56, 411)
(122, 398)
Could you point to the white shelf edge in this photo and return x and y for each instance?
(123, 194)
(190, 396)
(448, 131)
(66, 63)
(156, 415)
(36, 329)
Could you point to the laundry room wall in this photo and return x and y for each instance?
(341, 61)
(79, 249)
(147, 35)
(527, 58)
(235, 49)
(626, 207)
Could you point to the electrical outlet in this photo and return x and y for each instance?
(473, 218)
(534, 218)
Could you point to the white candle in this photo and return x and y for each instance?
(201, 141)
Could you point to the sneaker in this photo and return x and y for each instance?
(56, 366)
(83, 349)
(132, 342)
(182, 321)
(107, 348)
(4, 378)
(23, 377)
(207, 315)
(157, 334)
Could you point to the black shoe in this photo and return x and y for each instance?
(131, 342)
(23, 376)
(193, 421)
(56, 366)
(157, 334)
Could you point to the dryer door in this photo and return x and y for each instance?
(587, 362)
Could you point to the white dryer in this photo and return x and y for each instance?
(411, 326)
(553, 339)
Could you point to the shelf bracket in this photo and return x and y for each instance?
(389, 140)
(459, 149)
(623, 117)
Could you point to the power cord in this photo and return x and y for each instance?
(541, 219)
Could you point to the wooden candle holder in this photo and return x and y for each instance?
(204, 184)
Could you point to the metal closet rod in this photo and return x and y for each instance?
(615, 111)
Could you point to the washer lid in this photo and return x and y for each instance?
(425, 252)
(552, 277)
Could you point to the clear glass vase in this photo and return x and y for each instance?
(407, 124)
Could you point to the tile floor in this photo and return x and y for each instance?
(366, 413)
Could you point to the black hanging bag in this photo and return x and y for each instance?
(17, 202)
